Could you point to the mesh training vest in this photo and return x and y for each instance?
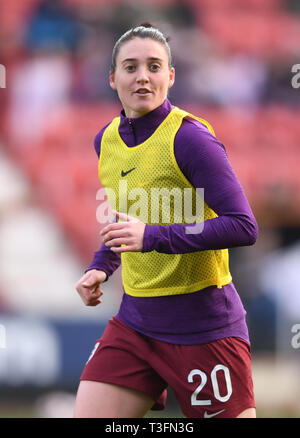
(145, 182)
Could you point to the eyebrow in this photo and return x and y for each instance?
(152, 58)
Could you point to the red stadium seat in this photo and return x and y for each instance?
(266, 34)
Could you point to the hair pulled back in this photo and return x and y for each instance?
(144, 30)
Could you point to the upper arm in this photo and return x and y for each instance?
(203, 160)
(98, 139)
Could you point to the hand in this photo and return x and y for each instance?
(89, 287)
(129, 233)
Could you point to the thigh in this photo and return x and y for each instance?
(119, 365)
(212, 380)
(248, 413)
(105, 400)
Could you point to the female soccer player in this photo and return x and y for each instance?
(181, 322)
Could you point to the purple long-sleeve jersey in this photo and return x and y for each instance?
(210, 313)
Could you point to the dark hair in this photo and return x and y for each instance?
(144, 30)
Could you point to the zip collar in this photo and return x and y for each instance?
(136, 130)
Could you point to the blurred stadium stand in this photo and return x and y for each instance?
(233, 61)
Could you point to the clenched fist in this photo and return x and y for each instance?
(89, 287)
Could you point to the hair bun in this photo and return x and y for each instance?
(146, 24)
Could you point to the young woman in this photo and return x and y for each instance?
(181, 322)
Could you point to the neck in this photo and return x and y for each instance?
(133, 114)
(136, 130)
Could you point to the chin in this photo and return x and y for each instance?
(141, 110)
(147, 106)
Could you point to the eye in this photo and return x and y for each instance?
(154, 67)
(130, 68)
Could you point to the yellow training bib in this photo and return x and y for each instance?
(146, 182)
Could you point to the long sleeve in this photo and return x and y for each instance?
(204, 162)
(104, 259)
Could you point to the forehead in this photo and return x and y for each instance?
(141, 48)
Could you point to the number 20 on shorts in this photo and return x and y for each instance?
(195, 401)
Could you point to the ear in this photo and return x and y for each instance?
(171, 77)
(112, 81)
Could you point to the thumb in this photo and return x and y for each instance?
(97, 292)
(124, 217)
(90, 281)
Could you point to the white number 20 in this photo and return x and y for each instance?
(215, 385)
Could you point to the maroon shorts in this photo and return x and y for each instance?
(208, 380)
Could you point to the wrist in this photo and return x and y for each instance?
(149, 238)
(98, 270)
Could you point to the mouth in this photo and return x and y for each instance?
(142, 91)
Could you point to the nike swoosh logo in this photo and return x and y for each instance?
(123, 173)
(207, 415)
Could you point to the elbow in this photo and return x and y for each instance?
(247, 230)
(252, 231)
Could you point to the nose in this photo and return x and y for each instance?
(142, 75)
